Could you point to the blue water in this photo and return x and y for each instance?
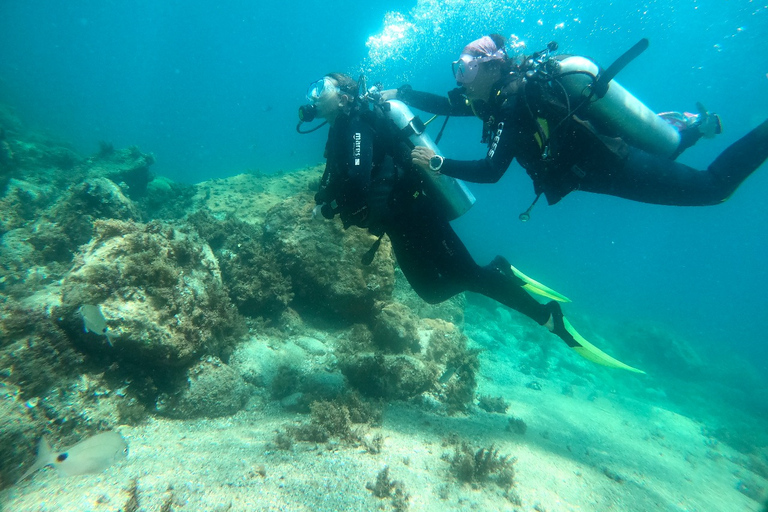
(212, 89)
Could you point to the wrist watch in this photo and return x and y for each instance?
(436, 162)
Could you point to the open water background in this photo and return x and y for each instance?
(212, 88)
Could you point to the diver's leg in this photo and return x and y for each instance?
(652, 179)
(740, 159)
(418, 241)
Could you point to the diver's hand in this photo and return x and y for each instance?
(388, 94)
(420, 157)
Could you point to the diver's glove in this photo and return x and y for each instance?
(707, 123)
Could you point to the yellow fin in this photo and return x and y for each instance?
(594, 354)
(536, 287)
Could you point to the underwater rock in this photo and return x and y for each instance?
(35, 354)
(18, 436)
(391, 377)
(69, 224)
(128, 167)
(323, 261)
(213, 389)
(166, 199)
(159, 290)
(251, 273)
(313, 346)
(251, 196)
(287, 368)
(394, 329)
(23, 202)
(451, 310)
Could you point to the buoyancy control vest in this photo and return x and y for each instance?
(359, 180)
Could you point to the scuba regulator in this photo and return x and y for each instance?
(307, 114)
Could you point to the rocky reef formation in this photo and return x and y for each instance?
(124, 294)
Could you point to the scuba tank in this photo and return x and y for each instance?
(452, 194)
(614, 109)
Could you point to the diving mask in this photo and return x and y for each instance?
(465, 69)
(322, 87)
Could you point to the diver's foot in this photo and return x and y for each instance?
(500, 264)
(556, 325)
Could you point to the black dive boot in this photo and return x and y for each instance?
(502, 266)
(559, 326)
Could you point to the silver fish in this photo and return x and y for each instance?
(94, 321)
(92, 455)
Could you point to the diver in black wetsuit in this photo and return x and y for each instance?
(370, 183)
(531, 120)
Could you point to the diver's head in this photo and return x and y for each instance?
(481, 64)
(330, 96)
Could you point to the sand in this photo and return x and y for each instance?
(579, 453)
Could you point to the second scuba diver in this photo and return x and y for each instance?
(370, 182)
(529, 114)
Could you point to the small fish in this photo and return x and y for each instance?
(94, 321)
(449, 373)
(92, 455)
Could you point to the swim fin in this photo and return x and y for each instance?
(536, 287)
(565, 331)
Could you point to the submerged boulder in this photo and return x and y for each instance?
(159, 291)
(324, 262)
(213, 389)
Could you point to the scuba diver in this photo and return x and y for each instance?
(369, 182)
(572, 128)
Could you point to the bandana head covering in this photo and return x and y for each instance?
(484, 47)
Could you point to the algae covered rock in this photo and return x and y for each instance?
(18, 436)
(69, 223)
(127, 167)
(324, 262)
(251, 272)
(35, 354)
(159, 290)
(394, 329)
(397, 377)
(213, 389)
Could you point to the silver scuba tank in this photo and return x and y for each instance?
(618, 111)
(451, 193)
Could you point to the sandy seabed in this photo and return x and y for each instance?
(578, 454)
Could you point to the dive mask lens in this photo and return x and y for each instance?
(320, 88)
(315, 90)
(465, 69)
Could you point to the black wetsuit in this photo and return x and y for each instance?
(562, 153)
(370, 182)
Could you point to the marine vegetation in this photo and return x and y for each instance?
(345, 418)
(492, 404)
(480, 465)
(384, 487)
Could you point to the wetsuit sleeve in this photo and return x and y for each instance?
(492, 167)
(453, 105)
